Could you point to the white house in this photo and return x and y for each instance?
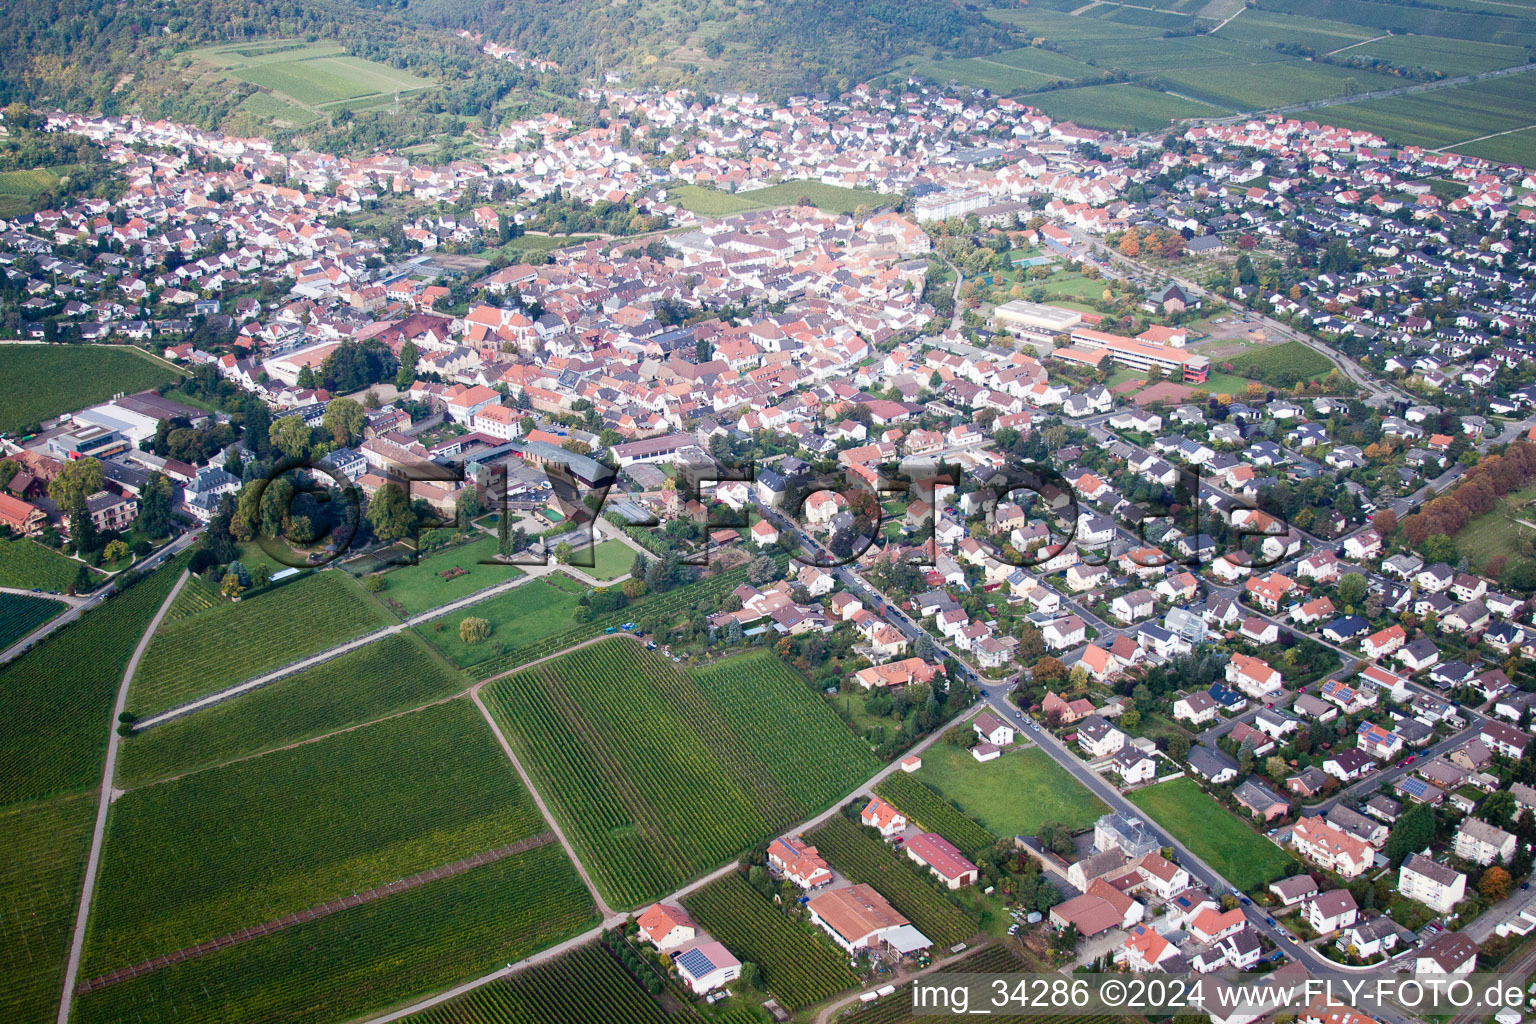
(707, 966)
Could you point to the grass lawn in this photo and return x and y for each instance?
(420, 587)
(42, 381)
(1216, 835)
(613, 558)
(518, 617)
(21, 615)
(1013, 795)
(26, 564)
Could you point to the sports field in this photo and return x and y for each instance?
(1215, 834)
(42, 381)
(230, 847)
(832, 198)
(298, 78)
(612, 558)
(657, 775)
(1013, 795)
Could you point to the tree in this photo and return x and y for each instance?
(290, 435)
(751, 977)
(1410, 833)
(1048, 670)
(230, 586)
(77, 480)
(1437, 547)
(762, 570)
(344, 420)
(1495, 884)
(1275, 767)
(734, 634)
(1352, 589)
(389, 513)
(468, 505)
(82, 531)
(563, 553)
(155, 505)
(1130, 244)
(114, 550)
(474, 630)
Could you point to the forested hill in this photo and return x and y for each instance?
(774, 46)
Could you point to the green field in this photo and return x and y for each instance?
(860, 856)
(1448, 118)
(925, 808)
(612, 559)
(665, 608)
(585, 984)
(232, 642)
(1266, 28)
(1284, 364)
(58, 696)
(269, 108)
(418, 588)
(521, 616)
(22, 191)
(1014, 795)
(21, 615)
(26, 564)
(1452, 56)
(368, 958)
(1215, 834)
(1121, 106)
(297, 75)
(798, 969)
(381, 678)
(230, 847)
(832, 198)
(41, 863)
(42, 381)
(657, 775)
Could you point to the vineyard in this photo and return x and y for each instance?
(41, 863)
(26, 564)
(586, 984)
(21, 615)
(54, 731)
(657, 776)
(192, 859)
(798, 968)
(380, 678)
(367, 958)
(191, 657)
(932, 813)
(864, 858)
(198, 595)
(800, 721)
(668, 607)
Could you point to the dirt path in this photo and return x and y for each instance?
(554, 826)
(103, 802)
(314, 913)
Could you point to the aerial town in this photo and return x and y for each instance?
(973, 542)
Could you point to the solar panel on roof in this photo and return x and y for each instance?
(695, 963)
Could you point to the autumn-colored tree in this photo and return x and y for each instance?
(1130, 244)
(1254, 389)
(1173, 245)
(1495, 884)
(1048, 670)
(1295, 292)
